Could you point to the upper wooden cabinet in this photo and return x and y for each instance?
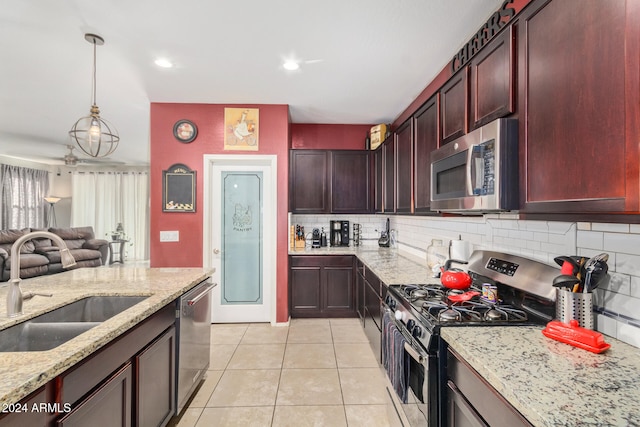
(578, 106)
(378, 174)
(308, 181)
(491, 81)
(454, 106)
(329, 181)
(426, 140)
(389, 175)
(404, 167)
(350, 181)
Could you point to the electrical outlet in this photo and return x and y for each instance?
(169, 236)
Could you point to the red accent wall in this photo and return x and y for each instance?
(166, 151)
(329, 136)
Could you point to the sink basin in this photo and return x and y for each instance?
(56, 327)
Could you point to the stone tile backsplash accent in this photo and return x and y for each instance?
(617, 304)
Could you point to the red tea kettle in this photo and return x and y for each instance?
(454, 278)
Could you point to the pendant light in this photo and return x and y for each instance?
(94, 135)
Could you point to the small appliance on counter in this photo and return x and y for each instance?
(339, 233)
(384, 239)
(357, 234)
(323, 238)
(315, 239)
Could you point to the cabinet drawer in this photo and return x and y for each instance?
(321, 261)
(489, 404)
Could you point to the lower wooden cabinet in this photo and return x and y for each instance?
(108, 405)
(156, 381)
(322, 286)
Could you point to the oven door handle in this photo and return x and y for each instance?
(414, 353)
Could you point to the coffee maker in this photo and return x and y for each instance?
(339, 233)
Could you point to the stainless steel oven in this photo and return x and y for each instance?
(477, 172)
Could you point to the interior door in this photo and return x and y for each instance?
(241, 229)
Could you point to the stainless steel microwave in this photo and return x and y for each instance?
(477, 172)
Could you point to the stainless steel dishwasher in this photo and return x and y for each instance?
(193, 323)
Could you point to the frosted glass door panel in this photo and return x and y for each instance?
(242, 233)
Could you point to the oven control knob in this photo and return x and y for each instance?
(399, 315)
(416, 332)
(411, 324)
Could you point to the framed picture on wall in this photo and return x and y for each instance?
(241, 129)
(179, 189)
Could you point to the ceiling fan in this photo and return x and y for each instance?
(71, 159)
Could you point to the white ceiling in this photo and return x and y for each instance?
(362, 61)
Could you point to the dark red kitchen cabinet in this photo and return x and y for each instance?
(578, 85)
(329, 181)
(426, 140)
(492, 80)
(350, 181)
(322, 286)
(389, 175)
(404, 167)
(454, 106)
(378, 173)
(308, 181)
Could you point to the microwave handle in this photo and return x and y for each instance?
(475, 176)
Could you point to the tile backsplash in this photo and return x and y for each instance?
(617, 304)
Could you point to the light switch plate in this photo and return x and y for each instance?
(169, 236)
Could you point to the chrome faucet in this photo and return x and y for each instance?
(14, 294)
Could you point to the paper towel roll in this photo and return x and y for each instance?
(460, 250)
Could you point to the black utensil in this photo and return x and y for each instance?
(565, 281)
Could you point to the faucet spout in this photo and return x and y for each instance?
(14, 295)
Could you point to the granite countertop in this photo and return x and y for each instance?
(24, 372)
(550, 383)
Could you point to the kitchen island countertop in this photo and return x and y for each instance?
(24, 372)
(550, 383)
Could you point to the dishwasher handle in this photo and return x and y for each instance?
(201, 295)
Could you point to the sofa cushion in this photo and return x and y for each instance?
(28, 261)
(95, 244)
(75, 233)
(78, 255)
(8, 238)
(25, 273)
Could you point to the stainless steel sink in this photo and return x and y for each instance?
(56, 327)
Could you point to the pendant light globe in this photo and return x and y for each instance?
(95, 136)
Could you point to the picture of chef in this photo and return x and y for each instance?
(241, 129)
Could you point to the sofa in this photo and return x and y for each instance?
(41, 256)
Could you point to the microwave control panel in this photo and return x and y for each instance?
(484, 158)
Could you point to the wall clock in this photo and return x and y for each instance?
(185, 131)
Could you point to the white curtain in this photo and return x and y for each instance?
(104, 199)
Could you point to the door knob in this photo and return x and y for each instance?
(216, 251)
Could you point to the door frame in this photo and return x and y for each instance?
(270, 255)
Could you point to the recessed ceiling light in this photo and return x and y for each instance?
(164, 63)
(290, 65)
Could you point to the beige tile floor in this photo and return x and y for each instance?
(314, 372)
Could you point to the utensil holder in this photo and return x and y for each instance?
(575, 305)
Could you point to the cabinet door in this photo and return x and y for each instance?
(155, 377)
(579, 140)
(389, 182)
(379, 179)
(305, 290)
(25, 416)
(404, 153)
(338, 289)
(350, 181)
(308, 185)
(426, 140)
(359, 290)
(453, 106)
(108, 405)
(491, 82)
